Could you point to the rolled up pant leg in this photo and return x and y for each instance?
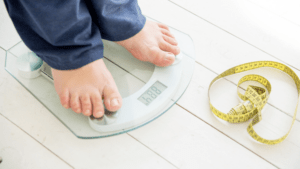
(117, 19)
(60, 32)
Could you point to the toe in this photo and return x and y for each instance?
(98, 109)
(170, 40)
(162, 58)
(165, 46)
(167, 33)
(161, 25)
(75, 103)
(112, 98)
(86, 105)
(65, 99)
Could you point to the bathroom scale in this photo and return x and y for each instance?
(147, 91)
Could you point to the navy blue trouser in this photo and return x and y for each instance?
(67, 34)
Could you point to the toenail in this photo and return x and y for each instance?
(65, 106)
(99, 114)
(78, 110)
(87, 112)
(114, 102)
(169, 56)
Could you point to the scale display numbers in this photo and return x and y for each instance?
(152, 93)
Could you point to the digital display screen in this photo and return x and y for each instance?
(152, 93)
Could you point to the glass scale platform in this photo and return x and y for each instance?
(133, 78)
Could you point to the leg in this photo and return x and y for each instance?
(63, 35)
(117, 20)
(122, 21)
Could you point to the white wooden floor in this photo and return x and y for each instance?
(225, 33)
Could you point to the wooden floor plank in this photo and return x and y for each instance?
(288, 9)
(251, 23)
(218, 51)
(190, 143)
(18, 150)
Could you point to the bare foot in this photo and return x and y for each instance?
(154, 43)
(83, 89)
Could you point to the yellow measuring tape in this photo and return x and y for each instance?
(254, 98)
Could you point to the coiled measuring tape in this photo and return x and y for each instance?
(254, 98)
